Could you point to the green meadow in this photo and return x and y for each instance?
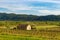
(45, 30)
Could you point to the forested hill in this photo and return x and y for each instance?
(24, 17)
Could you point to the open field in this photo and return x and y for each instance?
(30, 35)
(44, 31)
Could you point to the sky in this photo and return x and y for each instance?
(31, 7)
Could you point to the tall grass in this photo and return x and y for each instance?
(49, 33)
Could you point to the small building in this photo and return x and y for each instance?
(25, 27)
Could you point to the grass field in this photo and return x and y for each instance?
(29, 35)
(44, 31)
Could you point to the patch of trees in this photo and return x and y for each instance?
(24, 17)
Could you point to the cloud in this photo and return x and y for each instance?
(31, 12)
(50, 12)
(35, 7)
(52, 1)
(47, 5)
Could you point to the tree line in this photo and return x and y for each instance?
(24, 17)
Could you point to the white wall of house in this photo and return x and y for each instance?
(29, 27)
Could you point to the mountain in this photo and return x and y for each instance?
(24, 17)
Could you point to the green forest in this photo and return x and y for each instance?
(25, 17)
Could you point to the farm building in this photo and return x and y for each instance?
(25, 27)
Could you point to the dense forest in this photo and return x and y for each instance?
(24, 17)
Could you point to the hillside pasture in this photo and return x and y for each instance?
(44, 31)
(43, 34)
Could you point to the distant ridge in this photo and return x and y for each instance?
(24, 17)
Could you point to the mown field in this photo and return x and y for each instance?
(45, 30)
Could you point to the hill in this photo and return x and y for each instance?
(24, 17)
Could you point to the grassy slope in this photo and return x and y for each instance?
(45, 32)
(29, 35)
(12, 37)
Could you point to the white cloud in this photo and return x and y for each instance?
(53, 1)
(15, 5)
(9, 0)
(50, 12)
(20, 8)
